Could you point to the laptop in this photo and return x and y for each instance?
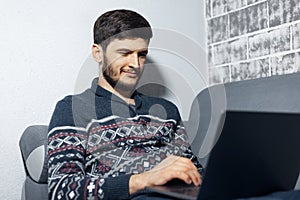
(256, 154)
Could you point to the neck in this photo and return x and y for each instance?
(125, 95)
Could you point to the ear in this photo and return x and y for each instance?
(97, 53)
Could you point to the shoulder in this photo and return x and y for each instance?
(68, 108)
(62, 115)
(70, 102)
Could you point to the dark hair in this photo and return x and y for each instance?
(120, 24)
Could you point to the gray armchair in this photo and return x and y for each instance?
(277, 93)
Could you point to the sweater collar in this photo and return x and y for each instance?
(100, 91)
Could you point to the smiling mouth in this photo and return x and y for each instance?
(130, 72)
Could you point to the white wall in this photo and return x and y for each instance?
(45, 46)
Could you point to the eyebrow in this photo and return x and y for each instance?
(124, 50)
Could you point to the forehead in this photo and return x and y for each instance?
(132, 44)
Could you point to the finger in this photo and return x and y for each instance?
(186, 166)
(185, 173)
(177, 167)
(195, 177)
(188, 163)
(194, 173)
(184, 177)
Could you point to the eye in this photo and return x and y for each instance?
(124, 53)
(143, 54)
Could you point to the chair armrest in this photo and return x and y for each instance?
(33, 147)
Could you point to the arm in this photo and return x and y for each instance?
(183, 164)
(66, 161)
(181, 141)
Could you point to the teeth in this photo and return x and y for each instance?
(129, 71)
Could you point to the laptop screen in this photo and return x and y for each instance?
(256, 154)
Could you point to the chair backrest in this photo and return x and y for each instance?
(276, 93)
(33, 146)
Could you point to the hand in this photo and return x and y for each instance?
(170, 168)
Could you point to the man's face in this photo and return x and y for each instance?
(123, 62)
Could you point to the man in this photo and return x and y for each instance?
(110, 142)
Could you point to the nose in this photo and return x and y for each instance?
(133, 60)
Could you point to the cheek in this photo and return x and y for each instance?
(142, 61)
(112, 68)
(142, 64)
(111, 71)
(117, 64)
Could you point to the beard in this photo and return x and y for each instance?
(109, 75)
